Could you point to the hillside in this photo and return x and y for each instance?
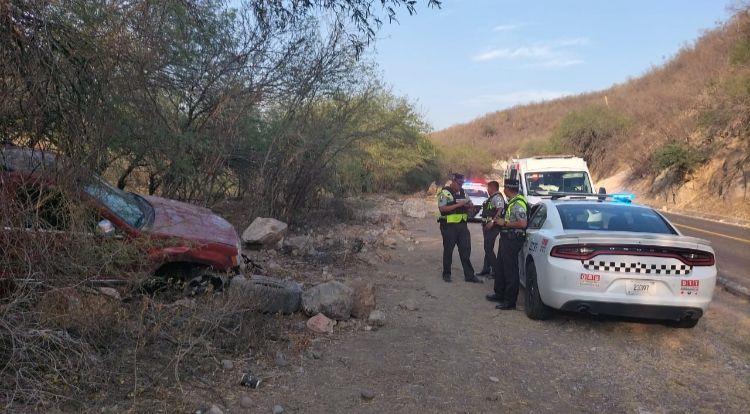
(675, 135)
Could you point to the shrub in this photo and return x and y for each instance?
(589, 131)
(680, 157)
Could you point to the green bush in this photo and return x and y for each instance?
(588, 131)
(681, 157)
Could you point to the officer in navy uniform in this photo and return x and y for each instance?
(512, 237)
(454, 209)
(491, 208)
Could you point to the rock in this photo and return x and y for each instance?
(367, 395)
(265, 232)
(494, 379)
(273, 266)
(321, 324)
(214, 410)
(433, 189)
(409, 304)
(333, 299)
(111, 292)
(390, 242)
(376, 318)
(301, 243)
(246, 402)
(277, 409)
(364, 298)
(280, 360)
(227, 364)
(415, 208)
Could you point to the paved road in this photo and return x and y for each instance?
(731, 243)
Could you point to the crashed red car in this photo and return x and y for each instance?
(189, 239)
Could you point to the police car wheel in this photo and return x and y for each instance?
(534, 307)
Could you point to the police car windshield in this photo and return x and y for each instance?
(471, 192)
(540, 183)
(612, 217)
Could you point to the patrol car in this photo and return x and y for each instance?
(477, 192)
(603, 255)
(541, 175)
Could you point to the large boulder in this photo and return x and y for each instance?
(364, 298)
(416, 208)
(264, 232)
(333, 299)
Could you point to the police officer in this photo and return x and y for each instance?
(512, 236)
(454, 209)
(494, 205)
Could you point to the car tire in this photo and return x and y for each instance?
(534, 307)
(270, 295)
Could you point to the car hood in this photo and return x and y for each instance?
(176, 219)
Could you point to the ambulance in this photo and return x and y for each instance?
(548, 174)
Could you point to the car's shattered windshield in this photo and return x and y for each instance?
(125, 205)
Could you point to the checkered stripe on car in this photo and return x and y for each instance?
(638, 268)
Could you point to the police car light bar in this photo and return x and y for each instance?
(617, 197)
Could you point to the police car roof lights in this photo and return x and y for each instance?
(626, 198)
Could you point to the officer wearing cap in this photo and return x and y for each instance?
(454, 209)
(491, 208)
(512, 236)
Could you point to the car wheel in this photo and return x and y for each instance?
(270, 295)
(534, 307)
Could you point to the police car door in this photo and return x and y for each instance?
(533, 244)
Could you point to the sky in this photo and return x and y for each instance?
(477, 56)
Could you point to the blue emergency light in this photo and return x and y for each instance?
(626, 198)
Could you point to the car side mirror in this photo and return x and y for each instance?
(602, 192)
(106, 228)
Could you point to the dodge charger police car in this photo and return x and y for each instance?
(599, 256)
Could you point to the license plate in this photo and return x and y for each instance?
(639, 287)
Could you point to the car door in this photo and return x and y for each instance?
(532, 245)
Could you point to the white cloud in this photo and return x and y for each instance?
(515, 98)
(561, 63)
(507, 27)
(556, 53)
(531, 52)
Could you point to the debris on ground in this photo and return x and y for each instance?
(250, 380)
(333, 299)
(246, 402)
(376, 318)
(321, 324)
(280, 360)
(367, 395)
(264, 232)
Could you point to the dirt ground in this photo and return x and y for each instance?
(457, 354)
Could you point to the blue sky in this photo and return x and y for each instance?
(479, 56)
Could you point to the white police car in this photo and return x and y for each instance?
(600, 256)
(477, 192)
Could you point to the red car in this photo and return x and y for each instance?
(188, 240)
